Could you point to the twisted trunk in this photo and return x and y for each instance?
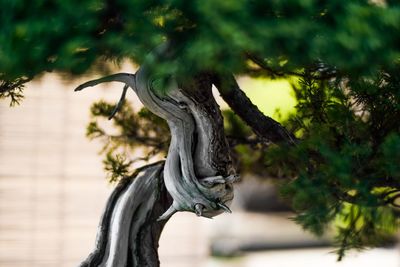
(197, 173)
(128, 233)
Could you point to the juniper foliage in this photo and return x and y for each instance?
(344, 169)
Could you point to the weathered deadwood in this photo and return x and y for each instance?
(197, 174)
(128, 232)
(188, 122)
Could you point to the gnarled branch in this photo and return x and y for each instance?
(263, 126)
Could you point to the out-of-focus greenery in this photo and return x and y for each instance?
(131, 134)
(344, 54)
(275, 98)
(346, 168)
(73, 36)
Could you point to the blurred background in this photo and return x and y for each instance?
(53, 190)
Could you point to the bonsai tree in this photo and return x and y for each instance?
(336, 158)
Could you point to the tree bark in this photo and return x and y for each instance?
(128, 233)
(197, 173)
(263, 126)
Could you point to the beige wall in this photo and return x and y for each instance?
(52, 186)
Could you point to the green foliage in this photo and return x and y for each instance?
(129, 134)
(359, 226)
(75, 36)
(116, 166)
(345, 169)
(349, 153)
(12, 90)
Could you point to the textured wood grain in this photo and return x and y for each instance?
(198, 174)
